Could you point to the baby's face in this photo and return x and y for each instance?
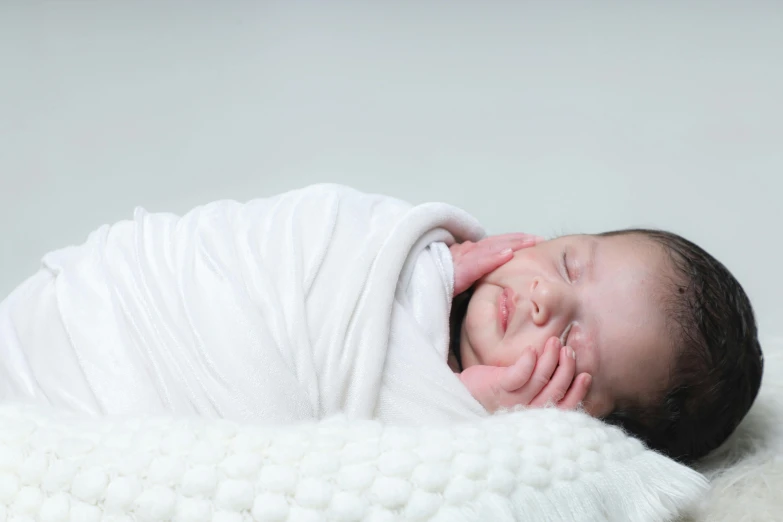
(601, 295)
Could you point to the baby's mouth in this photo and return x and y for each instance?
(505, 308)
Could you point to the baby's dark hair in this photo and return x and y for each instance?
(718, 366)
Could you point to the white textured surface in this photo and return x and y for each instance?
(747, 472)
(538, 465)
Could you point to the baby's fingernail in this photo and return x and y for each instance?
(556, 343)
(506, 252)
(588, 380)
(571, 352)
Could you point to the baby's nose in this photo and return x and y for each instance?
(546, 298)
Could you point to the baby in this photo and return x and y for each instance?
(643, 327)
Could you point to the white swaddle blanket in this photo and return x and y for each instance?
(294, 307)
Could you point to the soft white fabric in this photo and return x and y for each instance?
(311, 303)
(538, 465)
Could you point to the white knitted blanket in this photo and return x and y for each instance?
(300, 306)
(538, 465)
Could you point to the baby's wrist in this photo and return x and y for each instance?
(481, 382)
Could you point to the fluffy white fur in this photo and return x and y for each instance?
(747, 472)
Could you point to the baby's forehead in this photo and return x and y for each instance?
(632, 280)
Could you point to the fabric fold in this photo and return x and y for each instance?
(318, 301)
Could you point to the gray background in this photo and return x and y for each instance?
(547, 117)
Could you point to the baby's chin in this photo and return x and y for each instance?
(480, 336)
(479, 345)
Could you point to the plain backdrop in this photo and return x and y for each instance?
(551, 117)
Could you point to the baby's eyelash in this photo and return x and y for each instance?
(565, 264)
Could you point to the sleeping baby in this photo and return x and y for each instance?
(643, 327)
(327, 301)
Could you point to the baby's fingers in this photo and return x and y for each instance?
(558, 386)
(545, 369)
(509, 241)
(516, 376)
(577, 393)
(473, 265)
(518, 236)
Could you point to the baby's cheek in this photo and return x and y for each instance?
(495, 277)
(598, 401)
(597, 404)
(507, 352)
(587, 360)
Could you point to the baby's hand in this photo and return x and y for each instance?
(532, 381)
(472, 261)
